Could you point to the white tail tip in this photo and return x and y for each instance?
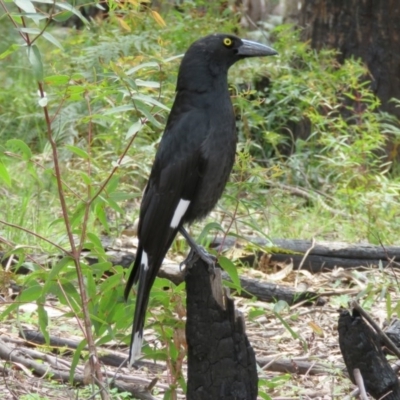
(136, 347)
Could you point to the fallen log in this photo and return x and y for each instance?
(115, 359)
(314, 256)
(264, 291)
(107, 357)
(51, 370)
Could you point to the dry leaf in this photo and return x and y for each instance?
(158, 18)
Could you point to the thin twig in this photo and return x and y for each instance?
(21, 228)
(360, 383)
(303, 260)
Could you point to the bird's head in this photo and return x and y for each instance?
(217, 52)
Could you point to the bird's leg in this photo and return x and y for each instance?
(196, 252)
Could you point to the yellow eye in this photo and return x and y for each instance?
(228, 42)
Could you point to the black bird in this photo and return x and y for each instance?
(193, 161)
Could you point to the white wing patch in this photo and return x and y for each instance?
(136, 346)
(144, 262)
(179, 212)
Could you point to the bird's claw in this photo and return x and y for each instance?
(200, 253)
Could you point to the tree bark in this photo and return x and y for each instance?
(221, 361)
(362, 349)
(368, 29)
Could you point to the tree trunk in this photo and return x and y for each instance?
(221, 362)
(368, 29)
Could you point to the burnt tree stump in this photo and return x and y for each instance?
(221, 361)
(361, 348)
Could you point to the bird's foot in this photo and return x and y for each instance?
(199, 253)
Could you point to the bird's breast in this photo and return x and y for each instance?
(218, 155)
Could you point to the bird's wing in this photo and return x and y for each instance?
(172, 184)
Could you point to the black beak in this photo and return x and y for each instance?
(254, 49)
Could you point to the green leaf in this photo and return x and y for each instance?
(57, 80)
(150, 64)
(95, 240)
(46, 35)
(56, 271)
(145, 110)
(9, 51)
(78, 151)
(43, 321)
(134, 129)
(25, 5)
(149, 84)
(62, 16)
(35, 60)
(100, 268)
(52, 40)
(18, 146)
(35, 17)
(76, 358)
(150, 100)
(230, 268)
(111, 203)
(112, 184)
(111, 283)
(119, 109)
(30, 294)
(122, 196)
(212, 226)
(101, 215)
(4, 175)
(65, 6)
(280, 306)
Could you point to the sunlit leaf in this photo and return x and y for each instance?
(230, 268)
(25, 5)
(65, 6)
(4, 175)
(150, 64)
(18, 146)
(9, 51)
(134, 129)
(124, 25)
(62, 16)
(157, 17)
(30, 294)
(78, 151)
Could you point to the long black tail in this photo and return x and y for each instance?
(144, 273)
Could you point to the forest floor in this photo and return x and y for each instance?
(306, 344)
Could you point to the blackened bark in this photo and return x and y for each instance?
(323, 256)
(221, 361)
(361, 348)
(368, 29)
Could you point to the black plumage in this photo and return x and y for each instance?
(193, 161)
